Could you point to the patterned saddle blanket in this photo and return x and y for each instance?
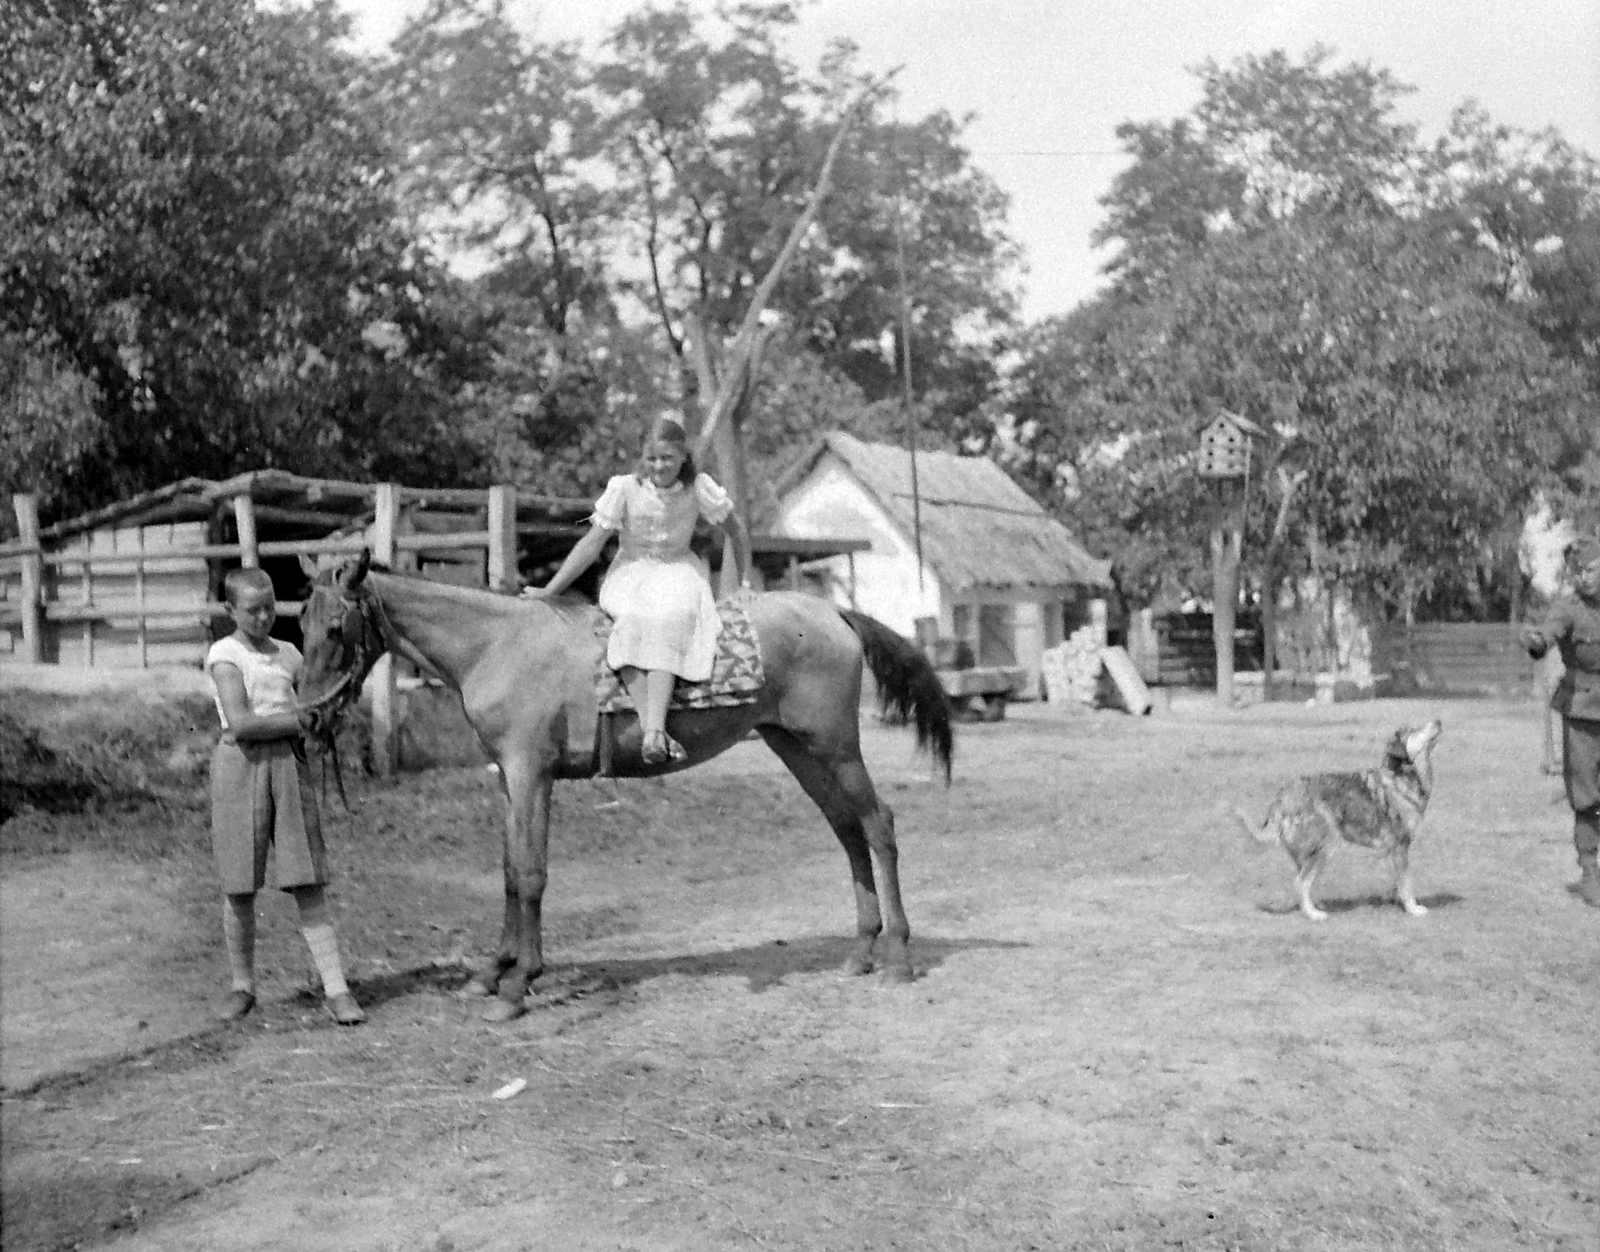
(737, 676)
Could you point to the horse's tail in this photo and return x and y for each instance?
(908, 688)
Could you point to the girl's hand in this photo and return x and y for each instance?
(537, 593)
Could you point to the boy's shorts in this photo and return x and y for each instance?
(261, 797)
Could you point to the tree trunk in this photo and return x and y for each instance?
(1227, 540)
(1272, 578)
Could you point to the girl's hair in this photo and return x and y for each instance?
(668, 429)
(237, 581)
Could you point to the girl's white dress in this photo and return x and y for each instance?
(658, 591)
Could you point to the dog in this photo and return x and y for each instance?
(1377, 808)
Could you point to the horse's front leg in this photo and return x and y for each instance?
(526, 867)
(486, 980)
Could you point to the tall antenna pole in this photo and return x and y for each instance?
(907, 394)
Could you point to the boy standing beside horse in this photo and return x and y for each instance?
(261, 796)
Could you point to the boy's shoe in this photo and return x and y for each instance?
(344, 1009)
(238, 1005)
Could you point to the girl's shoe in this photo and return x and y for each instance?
(660, 747)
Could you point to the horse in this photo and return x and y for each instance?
(515, 662)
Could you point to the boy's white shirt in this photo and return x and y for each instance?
(268, 678)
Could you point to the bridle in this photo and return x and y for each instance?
(364, 633)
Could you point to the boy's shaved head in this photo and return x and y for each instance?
(238, 581)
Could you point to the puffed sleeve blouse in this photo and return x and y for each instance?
(656, 522)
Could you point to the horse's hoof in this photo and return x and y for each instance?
(856, 966)
(498, 1010)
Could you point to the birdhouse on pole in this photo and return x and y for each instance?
(1225, 446)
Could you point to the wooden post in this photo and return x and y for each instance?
(502, 528)
(27, 511)
(88, 602)
(244, 513)
(139, 604)
(385, 728)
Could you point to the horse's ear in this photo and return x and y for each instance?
(352, 577)
(308, 567)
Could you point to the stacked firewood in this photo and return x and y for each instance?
(1073, 671)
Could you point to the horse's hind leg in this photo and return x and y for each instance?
(865, 827)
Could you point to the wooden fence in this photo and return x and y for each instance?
(151, 593)
(1456, 658)
(1176, 649)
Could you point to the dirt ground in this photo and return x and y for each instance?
(1121, 1035)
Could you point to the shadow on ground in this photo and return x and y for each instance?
(767, 964)
(1375, 900)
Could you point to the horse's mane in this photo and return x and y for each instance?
(568, 608)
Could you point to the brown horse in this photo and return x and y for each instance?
(515, 664)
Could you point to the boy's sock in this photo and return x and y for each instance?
(239, 937)
(324, 945)
(317, 927)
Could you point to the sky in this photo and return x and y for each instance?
(1047, 81)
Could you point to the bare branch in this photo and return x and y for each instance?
(732, 384)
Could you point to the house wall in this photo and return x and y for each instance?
(831, 504)
(1038, 619)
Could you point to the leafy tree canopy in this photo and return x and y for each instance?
(656, 180)
(199, 245)
(1398, 316)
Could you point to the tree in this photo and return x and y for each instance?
(1270, 138)
(195, 221)
(1422, 412)
(716, 142)
(655, 182)
(1531, 202)
(500, 139)
(1288, 252)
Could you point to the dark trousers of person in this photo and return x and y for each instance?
(1580, 741)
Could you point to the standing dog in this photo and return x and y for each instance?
(1376, 808)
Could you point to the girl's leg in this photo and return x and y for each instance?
(638, 684)
(658, 745)
(658, 694)
(317, 926)
(239, 937)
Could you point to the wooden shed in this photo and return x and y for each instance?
(138, 583)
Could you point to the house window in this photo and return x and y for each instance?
(961, 621)
(997, 635)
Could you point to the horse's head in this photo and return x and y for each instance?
(342, 639)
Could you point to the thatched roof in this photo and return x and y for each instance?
(979, 528)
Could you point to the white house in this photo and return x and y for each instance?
(997, 571)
